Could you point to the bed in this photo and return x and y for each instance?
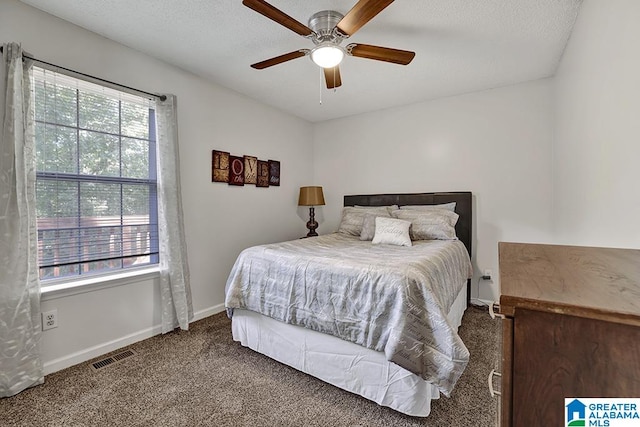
(377, 320)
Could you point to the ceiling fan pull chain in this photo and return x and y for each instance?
(321, 72)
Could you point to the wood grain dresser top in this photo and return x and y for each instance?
(583, 281)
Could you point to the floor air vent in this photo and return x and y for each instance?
(112, 359)
(118, 357)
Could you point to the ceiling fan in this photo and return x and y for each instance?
(327, 30)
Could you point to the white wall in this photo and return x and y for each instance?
(545, 160)
(597, 142)
(220, 220)
(495, 143)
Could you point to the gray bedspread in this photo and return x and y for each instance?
(392, 299)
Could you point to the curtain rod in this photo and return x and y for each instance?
(160, 97)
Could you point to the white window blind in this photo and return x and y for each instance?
(96, 181)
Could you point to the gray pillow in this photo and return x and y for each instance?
(434, 224)
(352, 218)
(369, 226)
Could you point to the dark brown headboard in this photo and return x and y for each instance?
(462, 199)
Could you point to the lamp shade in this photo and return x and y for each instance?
(311, 196)
(327, 55)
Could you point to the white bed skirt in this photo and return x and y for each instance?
(341, 363)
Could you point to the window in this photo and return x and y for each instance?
(96, 181)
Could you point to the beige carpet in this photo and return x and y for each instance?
(203, 378)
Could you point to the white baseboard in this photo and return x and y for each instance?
(98, 350)
(107, 347)
(208, 312)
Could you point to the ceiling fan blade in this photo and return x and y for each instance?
(332, 77)
(360, 14)
(397, 56)
(264, 8)
(280, 59)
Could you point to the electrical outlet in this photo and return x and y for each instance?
(49, 319)
(486, 275)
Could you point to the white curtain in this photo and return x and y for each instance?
(20, 361)
(177, 309)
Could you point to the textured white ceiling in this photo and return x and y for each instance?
(461, 46)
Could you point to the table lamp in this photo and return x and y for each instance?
(311, 196)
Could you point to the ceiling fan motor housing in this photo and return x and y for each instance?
(323, 24)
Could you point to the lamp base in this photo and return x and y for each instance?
(312, 225)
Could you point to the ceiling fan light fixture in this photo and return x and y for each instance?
(327, 55)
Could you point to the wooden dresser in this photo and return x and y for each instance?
(571, 328)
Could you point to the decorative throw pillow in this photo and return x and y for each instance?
(352, 218)
(392, 231)
(447, 206)
(434, 224)
(369, 226)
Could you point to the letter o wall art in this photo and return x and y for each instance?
(244, 170)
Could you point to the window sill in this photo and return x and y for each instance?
(60, 289)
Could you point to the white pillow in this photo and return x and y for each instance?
(390, 208)
(434, 224)
(392, 231)
(447, 206)
(352, 218)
